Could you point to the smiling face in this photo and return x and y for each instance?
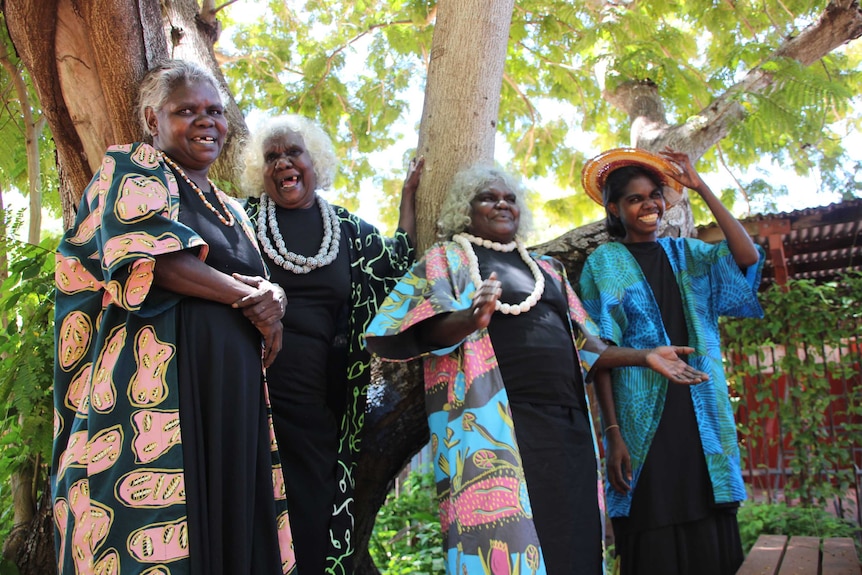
(190, 126)
(640, 208)
(494, 213)
(288, 171)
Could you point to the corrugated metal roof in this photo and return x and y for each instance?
(814, 243)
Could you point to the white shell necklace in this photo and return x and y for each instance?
(290, 261)
(465, 240)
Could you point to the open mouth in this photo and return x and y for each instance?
(289, 182)
(649, 218)
(208, 140)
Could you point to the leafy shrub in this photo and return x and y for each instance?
(407, 536)
(781, 519)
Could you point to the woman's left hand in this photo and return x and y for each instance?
(666, 360)
(687, 175)
(264, 308)
(414, 174)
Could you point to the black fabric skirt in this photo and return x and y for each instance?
(226, 449)
(708, 546)
(556, 447)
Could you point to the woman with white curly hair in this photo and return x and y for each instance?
(335, 269)
(507, 349)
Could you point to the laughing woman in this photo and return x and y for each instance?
(672, 454)
(335, 269)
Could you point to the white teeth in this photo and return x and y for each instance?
(649, 219)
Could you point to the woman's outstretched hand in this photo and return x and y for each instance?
(264, 308)
(667, 361)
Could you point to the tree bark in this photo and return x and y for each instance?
(458, 127)
(462, 98)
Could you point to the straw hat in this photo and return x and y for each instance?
(596, 171)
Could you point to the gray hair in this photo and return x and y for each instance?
(161, 80)
(317, 143)
(468, 183)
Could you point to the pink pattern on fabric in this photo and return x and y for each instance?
(487, 501)
(78, 395)
(118, 247)
(91, 525)
(444, 510)
(72, 277)
(148, 386)
(104, 449)
(435, 264)
(61, 519)
(103, 394)
(156, 432)
(479, 359)
(138, 284)
(148, 488)
(160, 542)
(74, 339)
(500, 560)
(87, 228)
(75, 453)
(140, 197)
(439, 371)
(419, 313)
(108, 564)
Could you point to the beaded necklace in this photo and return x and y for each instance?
(290, 261)
(466, 240)
(230, 220)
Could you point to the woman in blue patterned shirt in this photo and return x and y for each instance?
(672, 455)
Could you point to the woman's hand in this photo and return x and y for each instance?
(666, 360)
(485, 301)
(618, 460)
(414, 174)
(687, 175)
(264, 308)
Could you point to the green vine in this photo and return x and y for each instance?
(797, 371)
(26, 371)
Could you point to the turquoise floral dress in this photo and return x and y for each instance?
(484, 500)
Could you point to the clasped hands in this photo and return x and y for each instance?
(264, 308)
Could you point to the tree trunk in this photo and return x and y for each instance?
(462, 98)
(459, 123)
(86, 58)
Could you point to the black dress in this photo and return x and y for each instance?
(225, 432)
(674, 526)
(307, 384)
(544, 384)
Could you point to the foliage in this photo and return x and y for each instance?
(780, 519)
(407, 537)
(26, 372)
(795, 360)
(357, 65)
(13, 154)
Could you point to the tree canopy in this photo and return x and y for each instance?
(571, 67)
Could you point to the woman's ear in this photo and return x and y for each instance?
(613, 209)
(152, 121)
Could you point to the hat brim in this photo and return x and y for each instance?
(597, 169)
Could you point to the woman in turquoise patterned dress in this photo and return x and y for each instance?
(507, 350)
(672, 454)
(163, 457)
(336, 268)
